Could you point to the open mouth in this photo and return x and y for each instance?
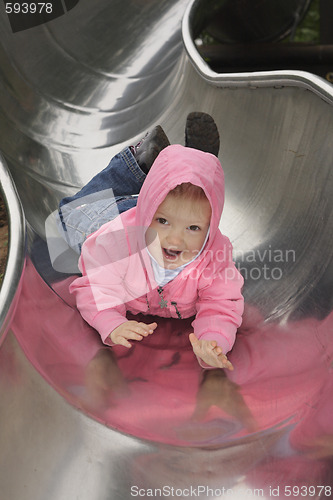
(171, 254)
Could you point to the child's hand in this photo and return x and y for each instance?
(210, 352)
(131, 330)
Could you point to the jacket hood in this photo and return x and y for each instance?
(177, 164)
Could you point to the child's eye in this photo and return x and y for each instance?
(194, 228)
(161, 220)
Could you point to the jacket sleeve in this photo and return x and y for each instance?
(220, 304)
(100, 291)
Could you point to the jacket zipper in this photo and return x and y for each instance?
(164, 303)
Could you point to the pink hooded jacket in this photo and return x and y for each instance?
(117, 274)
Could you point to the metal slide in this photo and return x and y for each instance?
(78, 421)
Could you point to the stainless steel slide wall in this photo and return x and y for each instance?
(80, 421)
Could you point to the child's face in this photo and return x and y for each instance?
(181, 225)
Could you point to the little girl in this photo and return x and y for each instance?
(165, 256)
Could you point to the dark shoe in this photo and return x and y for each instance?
(201, 133)
(147, 150)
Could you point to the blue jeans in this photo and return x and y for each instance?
(111, 192)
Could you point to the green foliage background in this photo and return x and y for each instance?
(309, 28)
